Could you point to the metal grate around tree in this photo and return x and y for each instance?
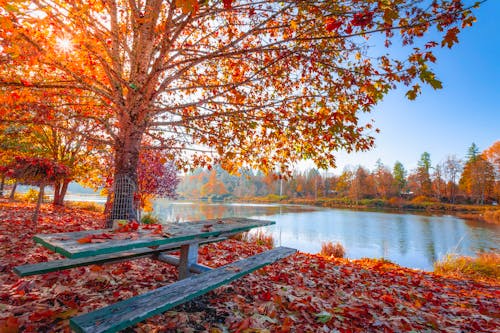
(122, 199)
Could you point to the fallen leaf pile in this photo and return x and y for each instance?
(302, 293)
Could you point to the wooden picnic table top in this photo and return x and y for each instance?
(94, 242)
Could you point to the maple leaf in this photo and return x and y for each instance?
(227, 4)
(9, 325)
(332, 24)
(188, 6)
(86, 239)
(450, 38)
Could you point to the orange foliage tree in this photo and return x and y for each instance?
(261, 83)
(492, 154)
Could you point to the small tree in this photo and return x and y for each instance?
(157, 177)
(37, 172)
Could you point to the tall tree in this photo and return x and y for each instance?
(452, 168)
(438, 183)
(478, 177)
(492, 154)
(399, 174)
(383, 180)
(214, 187)
(261, 83)
(473, 153)
(423, 174)
(360, 186)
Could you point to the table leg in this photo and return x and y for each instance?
(188, 257)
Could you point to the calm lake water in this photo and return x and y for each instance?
(407, 239)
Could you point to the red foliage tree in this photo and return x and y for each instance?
(37, 172)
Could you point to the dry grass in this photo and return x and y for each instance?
(259, 238)
(486, 266)
(85, 205)
(492, 216)
(330, 249)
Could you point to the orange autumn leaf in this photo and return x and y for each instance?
(86, 239)
(9, 325)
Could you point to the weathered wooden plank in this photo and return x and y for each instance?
(58, 265)
(175, 261)
(129, 312)
(67, 243)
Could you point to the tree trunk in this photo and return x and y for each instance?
(13, 192)
(64, 190)
(57, 192)
(60, 189)
(38, 204)
(2, 184)
(125, 176)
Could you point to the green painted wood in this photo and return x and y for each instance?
(129, 312)
(58, 265)
(67, 243)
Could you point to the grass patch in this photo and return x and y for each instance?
(150, 219)
(329, 249)
(492, 216)
(259, 238)
(486, 266)
(85, 205)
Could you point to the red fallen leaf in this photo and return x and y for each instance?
(41, 315)
(96, 268)
(9, 325)
(287, 324)
(242, 325)
(134, 225)
(84, 240)
(388, 299)
(265, 296)
(207, 227)
(104, 235)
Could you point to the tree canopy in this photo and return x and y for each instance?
(257, 83)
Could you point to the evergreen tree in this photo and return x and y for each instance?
(399, 174)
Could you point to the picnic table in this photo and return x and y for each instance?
(106, 246)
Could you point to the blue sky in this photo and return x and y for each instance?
(444, 122)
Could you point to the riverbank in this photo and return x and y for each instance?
(302, 293)
(484, 213)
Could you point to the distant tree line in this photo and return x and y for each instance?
(473, 179)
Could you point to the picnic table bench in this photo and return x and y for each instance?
(103, 247)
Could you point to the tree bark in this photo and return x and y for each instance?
(38, 204)
(60, 189)
(57, 191)
(2, 184)
(125, 175)
(13, 191)
(63, 191)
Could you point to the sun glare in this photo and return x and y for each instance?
(64, 44)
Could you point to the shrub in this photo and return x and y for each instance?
(423, 199)
(395, 202)
(259, 238)
(86, 205)
(150, 219)
(330, 249)
(486, 266)
(492, 216)
(31, 195)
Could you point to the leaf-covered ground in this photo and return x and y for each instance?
(303, 293)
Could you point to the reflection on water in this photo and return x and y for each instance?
(407, 239)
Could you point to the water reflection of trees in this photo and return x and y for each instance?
(169, 211)
(409, 239)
